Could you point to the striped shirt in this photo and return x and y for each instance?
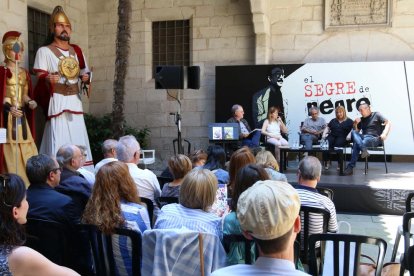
(312, 198)
(177, 216)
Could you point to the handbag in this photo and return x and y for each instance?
(368, 269)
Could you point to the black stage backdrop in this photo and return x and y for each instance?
(237, 84)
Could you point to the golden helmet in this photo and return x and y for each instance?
(57, 16)
(9, 39)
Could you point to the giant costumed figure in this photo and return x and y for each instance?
(61, 68)
(16, 108)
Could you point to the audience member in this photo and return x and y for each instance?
(197, 195)
(336, 132)
(273, 127)
(216, 160)
(115, 203)
(86, 173)
(72, 183)
(268, 212)
(109, 153)
(309, 174)
(16, 259)
(198, 158)
(268, 161)
(128, 151)
(179, 165)
(245, 178)
(249, 138)
(312, 128)
(48, 204)
(238, 160)
(375, 129)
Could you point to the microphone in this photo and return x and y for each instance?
(16, 50)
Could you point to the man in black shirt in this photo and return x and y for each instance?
(375, 128)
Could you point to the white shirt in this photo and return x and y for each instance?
(146, 181)
(103, 162)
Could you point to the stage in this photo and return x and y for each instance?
(373, 193)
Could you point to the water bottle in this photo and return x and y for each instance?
(322, 144)
(327, 145)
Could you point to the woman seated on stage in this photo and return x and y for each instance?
(216, 159)
(16, 259)
(336, 131)
(197, 195)
(115, 203)
(179, 165)
(273, 127)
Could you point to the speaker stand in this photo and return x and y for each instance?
(179, 140)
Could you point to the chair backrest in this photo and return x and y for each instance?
(312, 219)
(150, 208)
(408, 202)
(230, 239)
(181, 252)
(326, 192)
(164, 200)
(342, 253)
(162, 180)
(50, 238)
(102, 245)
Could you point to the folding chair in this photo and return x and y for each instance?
(341, 254)
(407, 258)
(164, 200)
(105, 255)
(232, 239)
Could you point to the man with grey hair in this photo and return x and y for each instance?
(248, 137)
(309, 174)
(128, 151)
(312, 128)
(109, 153)
(72, 183)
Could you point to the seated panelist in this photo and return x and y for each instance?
(312, 128)
(249, 137)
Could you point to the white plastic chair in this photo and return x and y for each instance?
(147, 157)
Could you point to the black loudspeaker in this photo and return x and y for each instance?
(193, 78)
(169, 77)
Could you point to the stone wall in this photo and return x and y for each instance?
(222, 34)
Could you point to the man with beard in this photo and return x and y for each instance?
(59, 67)
(269, 96)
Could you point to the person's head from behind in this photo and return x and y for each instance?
(268, 212)
(245, 178)
(309, 169)
(314, 113)
(266, 159)
(179, 165)
(109, 148)
(113, 184)
(237, 111)
(13, 209)
(41, 169)
(276, 76)
(198, 158)
(216, 158)
(340, 113)
(69, 157)
(198, 190)
(273, 113)
(128, 149)
(239, 159)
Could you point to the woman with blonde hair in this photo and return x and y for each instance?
(336, 131)
(115, 203)
(16, 259)
(273, 127)
(197, 195)
(268, 161)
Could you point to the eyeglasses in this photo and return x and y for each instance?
(55, 170)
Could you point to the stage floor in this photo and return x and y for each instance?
(373, 193)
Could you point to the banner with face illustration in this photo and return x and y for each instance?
(387, 86)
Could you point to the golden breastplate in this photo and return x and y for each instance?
(12, 97)
(69, 67)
